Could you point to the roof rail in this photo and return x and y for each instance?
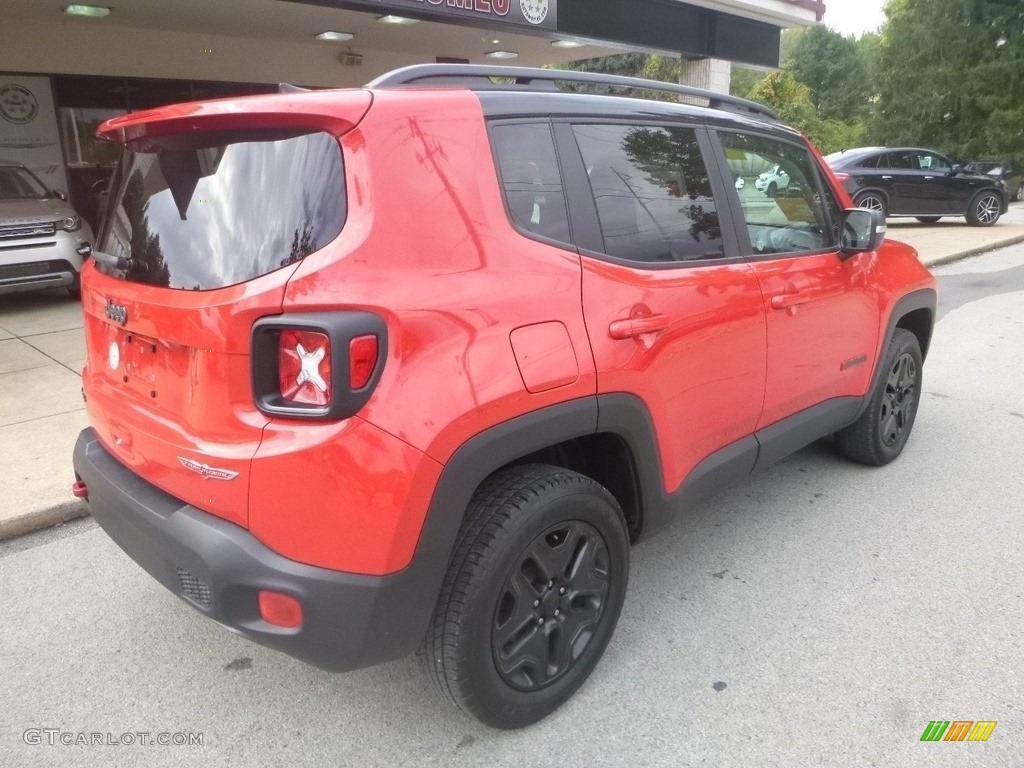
(482, 75)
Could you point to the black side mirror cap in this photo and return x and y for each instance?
(862, 231)
(60, 195)
(956, 169)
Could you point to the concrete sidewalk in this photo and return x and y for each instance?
(42, 352)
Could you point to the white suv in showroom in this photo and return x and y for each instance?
(42, 240)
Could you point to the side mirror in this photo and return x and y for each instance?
(863, 231)
(955, 170)
(60, 195)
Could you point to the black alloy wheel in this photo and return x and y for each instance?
(550, 605)
(899, 400)
(531, 597)
(882, 431)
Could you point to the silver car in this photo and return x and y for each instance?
(42, 240)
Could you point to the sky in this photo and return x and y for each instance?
(854, 17)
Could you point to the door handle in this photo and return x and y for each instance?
(928, 178)
(887, 178)
(787, 300)
(637, 326)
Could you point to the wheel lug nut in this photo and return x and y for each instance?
(540, 619)
(551, 584)
(536, 603)
(557, 612)
(561, 591)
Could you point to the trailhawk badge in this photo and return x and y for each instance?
(206, 471)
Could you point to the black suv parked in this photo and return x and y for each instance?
(920, 183)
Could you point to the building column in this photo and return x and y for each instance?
(710, 74)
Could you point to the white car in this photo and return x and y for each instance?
(42, 240)
(771, 181)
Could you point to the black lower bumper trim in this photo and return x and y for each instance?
(350, 620)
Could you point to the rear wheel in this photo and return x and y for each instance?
(928, 219)
(872, 201)
(531, 597)
(1017, 193)
(984, 210)
(878, 436)
(772, 190)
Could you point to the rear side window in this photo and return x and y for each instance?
(206, 212)
(531, 179)
(652, 191)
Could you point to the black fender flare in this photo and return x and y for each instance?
(923, 298)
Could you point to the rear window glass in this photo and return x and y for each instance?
(652, 192)
(221, 209)
(531, 179)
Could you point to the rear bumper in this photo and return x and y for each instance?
(350, 620)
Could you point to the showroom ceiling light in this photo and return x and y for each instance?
(94, 11)
(501, 54)
(335, 37)
(566, 44)
(391, 19)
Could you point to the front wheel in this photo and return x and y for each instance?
(985, 210)
(872, 201)
(531, 597)
(878, 436)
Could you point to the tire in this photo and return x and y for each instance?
(531, 597)
(75, 289)
(985, 209)
(873, 201)
(880, 434)
(772, 190)
(1017, 193)
(928, 219)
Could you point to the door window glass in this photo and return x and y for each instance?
(903, 161)
(928, 161)
(789, 213)
(653, 195)
(531, 179)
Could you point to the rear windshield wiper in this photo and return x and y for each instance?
(122, 263)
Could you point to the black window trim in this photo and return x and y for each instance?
(583, 216)
(535, 120)
(740, 221)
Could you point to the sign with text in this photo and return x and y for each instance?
(486, 13)
(28, 128)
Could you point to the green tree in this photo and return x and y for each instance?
(952, 76)
(645, 65)
(835, 68)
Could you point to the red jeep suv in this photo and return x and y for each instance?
(410, 366)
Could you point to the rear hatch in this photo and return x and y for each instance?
(211, 209)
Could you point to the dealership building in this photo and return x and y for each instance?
(65, 69)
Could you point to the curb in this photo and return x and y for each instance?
(949, 259)
(37, 520)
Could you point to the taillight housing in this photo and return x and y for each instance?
(842, 178)
(321, 365)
